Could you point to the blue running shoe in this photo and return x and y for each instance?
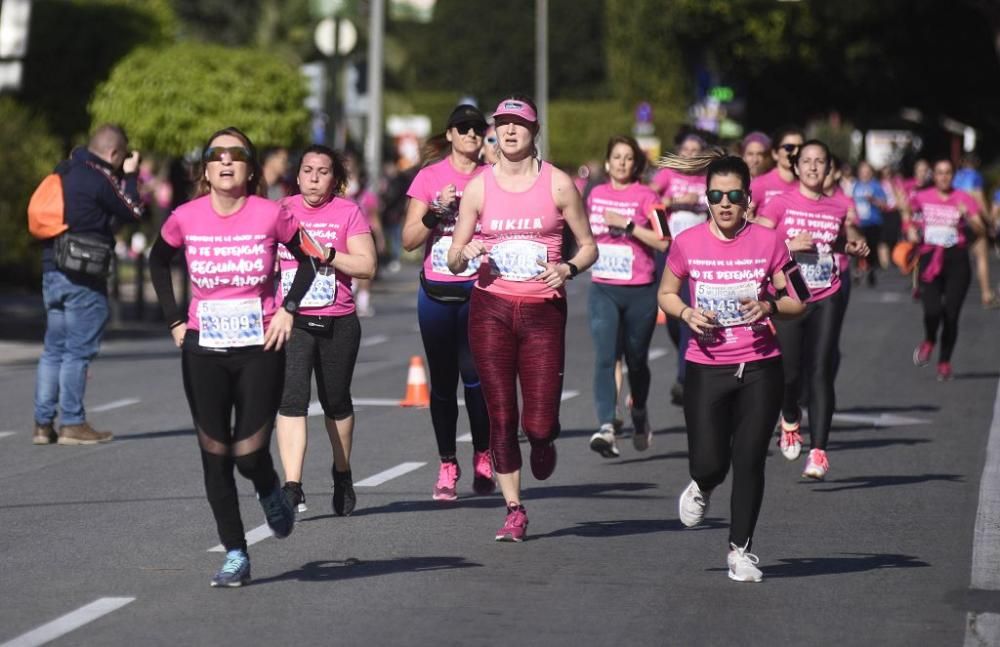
(235, 571)
(278, 511)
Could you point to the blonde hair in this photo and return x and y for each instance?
(693, 165)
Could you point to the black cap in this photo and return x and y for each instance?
(466, 113)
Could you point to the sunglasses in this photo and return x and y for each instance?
(736, 196)
(789, 148)
(236, 154)
(465, 126)
(491, 140)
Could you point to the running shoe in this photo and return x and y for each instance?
(604, 443)
(344, 498)
(743, 565)
(922, 353)
(482, 473)
(293, 490)
(515, 526)
(543, 460)
(235, 570)
(790, 441)
(642, 438)
(447, 484)
(278, 511)
(693, 505)
(943, 371)
(817, 466)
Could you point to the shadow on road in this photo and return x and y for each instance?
(874, 443)
(851, 563)
(627, 527)
(146, 435)
(587, 433)
(863, 482)
(973, 375)
(352, 568)
(648, 459)
(882, 408)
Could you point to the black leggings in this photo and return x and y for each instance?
(730, 420)
(943, 298)
(808, 351)
(249, 382)
(333, 353)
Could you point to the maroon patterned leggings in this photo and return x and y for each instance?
(518, 339)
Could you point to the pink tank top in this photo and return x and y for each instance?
(519, 229)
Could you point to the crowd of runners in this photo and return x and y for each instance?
(751, 254)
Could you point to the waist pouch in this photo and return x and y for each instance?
(83, 253)
(445, 292)
(314, 323)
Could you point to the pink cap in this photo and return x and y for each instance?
(515, 108)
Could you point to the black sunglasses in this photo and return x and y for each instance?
(465, 126)
(789, 148)
(736, 196)
(236, 154)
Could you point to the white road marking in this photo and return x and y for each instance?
(69, 622)
(984, 628)
(877, 419)
(117, 404)
(4, 434)
(373, 340)
(258, 534)
(389, 474)
(464, 438)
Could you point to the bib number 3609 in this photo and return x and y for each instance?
(230, 323)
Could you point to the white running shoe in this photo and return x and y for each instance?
(817, 466)
(642, 437)
(693, 504)
(743, 565)
(603, 441)
(790, 441)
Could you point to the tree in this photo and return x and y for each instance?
(170, 99)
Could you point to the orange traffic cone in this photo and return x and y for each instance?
(661, 317)
(417, 394)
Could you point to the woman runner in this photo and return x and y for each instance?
(622, 300)
(781, 178)
(443, 297)
(734, 374)
(232, 337)
(517, 317)
(326, 334)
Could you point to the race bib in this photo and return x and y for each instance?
(230, 323)
(817, 269)
(724, 299)
(517, 260)
(439, 258)
(941, 235)
(322, 292)
(682, 220)
(614, 262)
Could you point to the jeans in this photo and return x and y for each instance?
(624, 314)
(75, 318)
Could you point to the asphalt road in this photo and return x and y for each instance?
(110, 545)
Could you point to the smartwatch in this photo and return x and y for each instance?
(291, 306)
(630, 227)
(573, 269)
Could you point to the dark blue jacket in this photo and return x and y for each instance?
(95, 202)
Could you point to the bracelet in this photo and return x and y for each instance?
(430, 220)
(681, 315)
(179, 322)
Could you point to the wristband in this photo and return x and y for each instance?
(430, 220)
(330, 256)
(573, 269)
(630, 227)
(681, 315)
(180, 322)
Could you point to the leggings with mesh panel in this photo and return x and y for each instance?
(730, 420)
(246, 382)
(943, 298)
(333, 354)
(518, 339)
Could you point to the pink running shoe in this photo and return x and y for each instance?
(543, 460)
(790, 441)
(922, 353)
(817, 466)
(445, 488)
(482, 479)
(944, 371)
(515, 527)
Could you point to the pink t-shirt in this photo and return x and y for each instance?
(720, 273)
(231, 261)
(940, 219)
(426, 187)
(622, 260)
(519, 229)
(368, 202)
(843, 260)
(764, 187)
(671, 185)
(824, 219)
(331, 225)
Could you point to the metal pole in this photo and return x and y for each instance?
(376, 51)
(542, 72)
